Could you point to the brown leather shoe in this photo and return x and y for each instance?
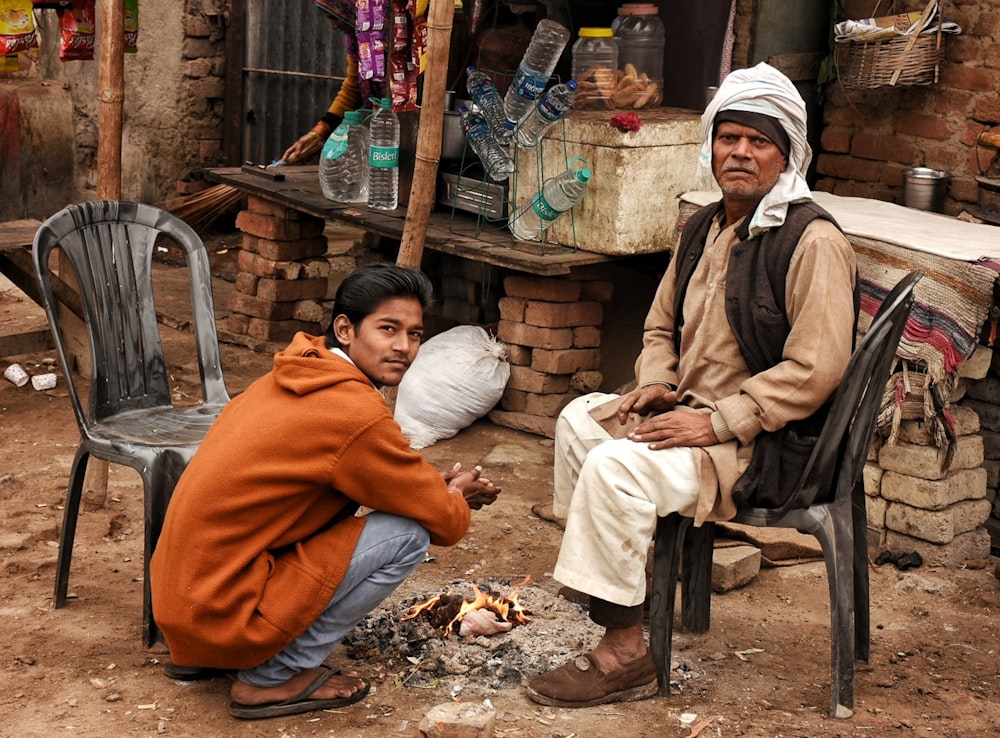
(580, 683)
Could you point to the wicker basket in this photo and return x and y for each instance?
(890, 62)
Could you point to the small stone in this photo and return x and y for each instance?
(459, 720)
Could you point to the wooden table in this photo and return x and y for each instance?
(457, 233)
(16, 237)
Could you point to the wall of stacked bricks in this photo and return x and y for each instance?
(915, 502)
(871, 136)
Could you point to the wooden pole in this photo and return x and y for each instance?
(110, 104)
(418, 212)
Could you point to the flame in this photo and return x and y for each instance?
(507, 608)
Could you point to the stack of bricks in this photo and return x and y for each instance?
(916, 503)
(283, 273)
(551, 327)
(983, 396)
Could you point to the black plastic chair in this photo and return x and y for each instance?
(129, 417)
(829, 503)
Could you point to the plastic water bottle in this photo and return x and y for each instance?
(558, 195)
(536, 67)
(499, 165)
(343, 163)
(549, 110)
(383, 158)
(484, 93)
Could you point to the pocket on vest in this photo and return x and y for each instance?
(775, 469)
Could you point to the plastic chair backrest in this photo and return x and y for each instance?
(109, 246)
(843, 443)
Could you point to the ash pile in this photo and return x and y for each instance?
(417, 650)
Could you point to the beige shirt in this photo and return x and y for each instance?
(711, 374)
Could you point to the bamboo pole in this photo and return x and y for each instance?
(418, 212)
(110, 104)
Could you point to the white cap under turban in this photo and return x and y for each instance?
(762, 89)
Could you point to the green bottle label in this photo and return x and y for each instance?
(386, 157)
(543, 210)
(336, 145)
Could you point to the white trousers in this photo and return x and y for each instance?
(611, 492)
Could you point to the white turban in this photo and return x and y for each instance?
(762, 89)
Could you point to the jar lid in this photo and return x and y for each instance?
(638, 9)
(596, 33)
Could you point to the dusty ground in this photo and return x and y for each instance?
(762, 670)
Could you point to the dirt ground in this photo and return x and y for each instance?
(762, 670)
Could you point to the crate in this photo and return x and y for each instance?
(631, 202)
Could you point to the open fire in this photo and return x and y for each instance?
(486, 614)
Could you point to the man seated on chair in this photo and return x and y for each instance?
(267, 557)
(748, 335)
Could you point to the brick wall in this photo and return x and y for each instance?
(871, 136)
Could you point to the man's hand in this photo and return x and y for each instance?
(673, 429)
(475, 488)
(302, 149)
(653, 398)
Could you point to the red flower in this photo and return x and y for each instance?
(626, 122)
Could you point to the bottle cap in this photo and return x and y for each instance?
(353, 117)
(638, 9)
(572, 85)
(596, 33)
(385, 103)
(582, 175)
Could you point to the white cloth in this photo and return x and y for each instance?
(611, 492)
(762, 89)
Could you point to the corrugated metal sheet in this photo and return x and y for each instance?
(293, 66)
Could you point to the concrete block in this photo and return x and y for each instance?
(991, 444)
(989, 414)
(965, 547)
(968, 484)
(920, 432)
(927, 462)
(987, 390)
(977, 366)
(872, 476)
(522, 421)
(734, 566)
(459, 720)
(876, 507)
(937, 526)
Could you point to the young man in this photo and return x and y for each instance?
(748, 335)
(267, 558)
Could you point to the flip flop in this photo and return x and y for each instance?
(192, 673)
(299, 703)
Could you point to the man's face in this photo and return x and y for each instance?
(745, 162)
(385, 343)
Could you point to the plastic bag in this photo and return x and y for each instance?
(457, 377)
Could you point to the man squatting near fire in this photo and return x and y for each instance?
(748, 335)
(267, 560)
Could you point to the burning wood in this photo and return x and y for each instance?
(486, 614)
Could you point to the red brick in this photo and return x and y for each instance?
(524, 422)
(597, 289)
(519, 355)
(924, 125)
(514, 400)
(566, 361)
(542, 288)
(512, 308)
(246, 283)
(521, 334)
(528, 380)
(305, 248)
(586, 336)
(259, 266)
(882, 148)
(258, 308)
(563, 314)
(548, 405)
(279, 229)
(279, 330)
(836, 140)
(988, 108)
(290, 290)
(967, 77)
(266, 207)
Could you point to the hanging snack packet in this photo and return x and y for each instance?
(364, 15)
(76, 31)
(131, 25)
(17, 27)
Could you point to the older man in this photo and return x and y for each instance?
(747, 338)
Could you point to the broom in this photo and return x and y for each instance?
(201, 210)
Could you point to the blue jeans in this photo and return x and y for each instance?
(389, 550)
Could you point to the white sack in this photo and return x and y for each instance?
(457, 377)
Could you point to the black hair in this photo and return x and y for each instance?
(367, 287)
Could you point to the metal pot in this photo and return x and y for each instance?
(452, 136)
(989, 195)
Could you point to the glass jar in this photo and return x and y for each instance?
(641, 41)
(595, 65)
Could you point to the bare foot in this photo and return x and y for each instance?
(338, 686)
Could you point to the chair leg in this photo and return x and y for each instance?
(834, 536)
(862, 612)
(696, 577)
(71, 511)
(159, 482)
(666, 559)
